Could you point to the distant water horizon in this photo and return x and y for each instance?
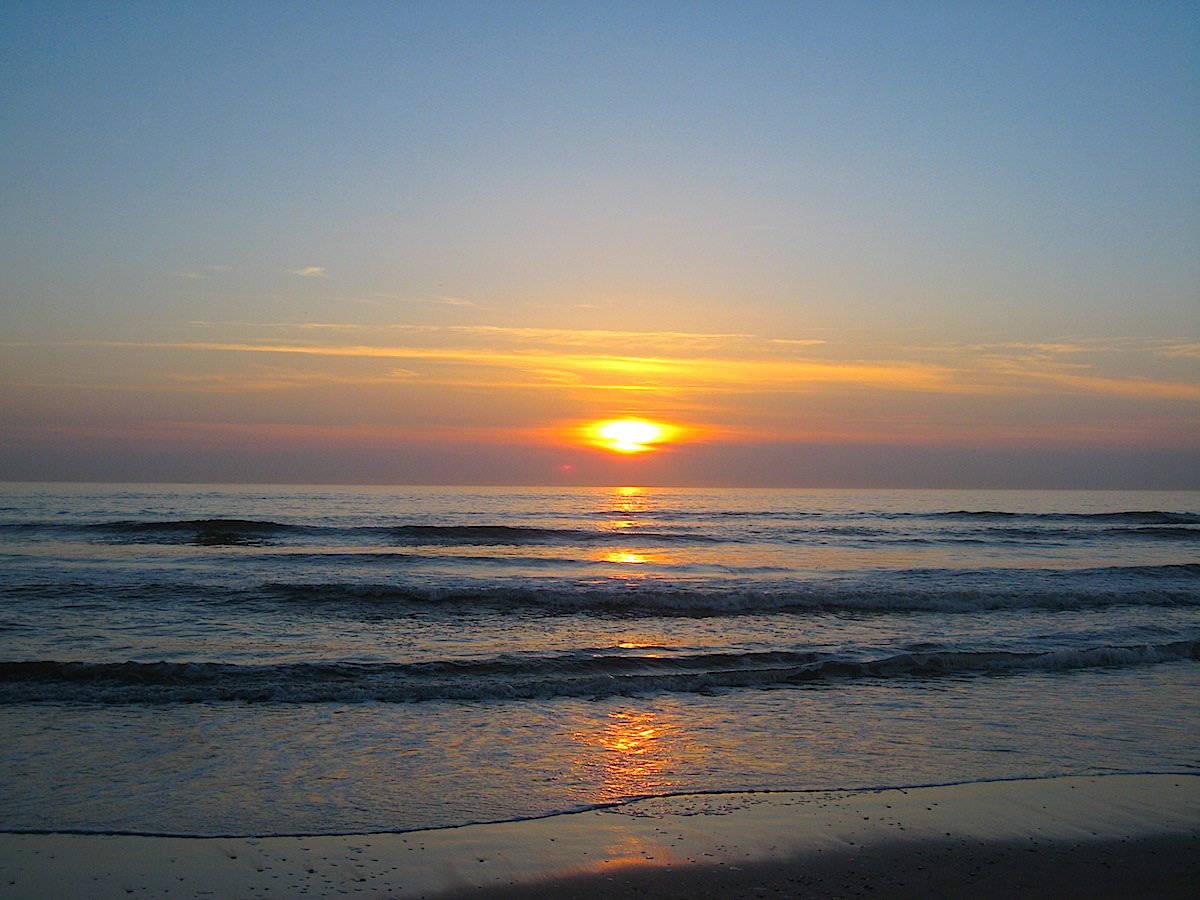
(559, 486)
(268, 659)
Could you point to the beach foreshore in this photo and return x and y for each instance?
(1103, 836)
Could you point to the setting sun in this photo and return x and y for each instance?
(629, 435)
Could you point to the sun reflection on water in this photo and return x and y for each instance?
(634, 753)
(629, 495)
(629, 557)
(628, 500)
(618, 525)
(625, 504)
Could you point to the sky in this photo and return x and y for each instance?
(854, 244)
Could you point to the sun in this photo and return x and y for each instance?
(629, 435)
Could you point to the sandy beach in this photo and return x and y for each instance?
(1115, 836)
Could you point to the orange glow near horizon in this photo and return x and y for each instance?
(629, 435)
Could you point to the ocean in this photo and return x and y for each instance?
(228, 660)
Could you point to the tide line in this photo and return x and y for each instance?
(604, 852)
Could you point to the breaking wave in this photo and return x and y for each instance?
(578, 674)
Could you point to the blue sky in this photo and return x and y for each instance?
(424, 241)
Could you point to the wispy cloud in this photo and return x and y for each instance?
(446, 301)
(308, 272)
(497, 337)
(683, 363)
(201, 273)
(430, 300)
(537, 386)
(731, 386)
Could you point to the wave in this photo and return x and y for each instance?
(690, 591)
(792, 527)
(1131, 517)
(234, 531)
(517, 534)
(213, 532)
(1025, 535)
(509, 678)
(915, 591)
(1128, 517)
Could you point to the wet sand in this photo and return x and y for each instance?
(1001, 870)
(1116, 836)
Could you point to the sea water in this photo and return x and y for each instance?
(278, 660)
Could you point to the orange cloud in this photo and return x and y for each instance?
(720, 386)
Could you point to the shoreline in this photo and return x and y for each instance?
(1164, 868)
(1114, 833)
